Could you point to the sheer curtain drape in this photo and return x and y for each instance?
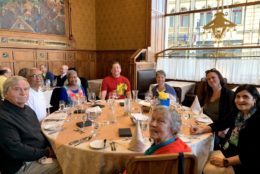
(239, 71)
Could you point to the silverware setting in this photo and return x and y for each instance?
(79, 141)
(113, 146)
(79, 130)
(53, 120)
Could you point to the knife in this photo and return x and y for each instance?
(79, 141)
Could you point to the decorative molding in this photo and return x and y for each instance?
(5, 41)
(5, 55)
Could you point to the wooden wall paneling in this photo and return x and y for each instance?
(70, 59)
(6, 58)
(41, 58)
(23, 59)
(86, 64)
(55, 60)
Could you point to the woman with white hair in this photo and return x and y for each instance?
(164, 127)
(72, 91)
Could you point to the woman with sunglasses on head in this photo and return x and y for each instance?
(217, 101)
(241, 148)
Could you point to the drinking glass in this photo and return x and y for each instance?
(113, 95)
(84, 118)
(61, 105)
(48, 84)
(92, 97)
(148, 96)
(54, 83)
(92, 116)
(135, 94)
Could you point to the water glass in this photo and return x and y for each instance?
(61, 105)
(84, 118)
(48, 84)
(135, 94)
(144, 124)
(113, 95)
(92, 97)
(127, 106)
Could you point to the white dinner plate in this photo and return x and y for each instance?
(98, 144)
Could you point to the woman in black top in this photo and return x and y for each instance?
(241, 149)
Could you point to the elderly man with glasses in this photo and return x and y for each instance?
(36, 97)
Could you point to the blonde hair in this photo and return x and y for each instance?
(12, 81)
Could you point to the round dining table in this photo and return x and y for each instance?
(78, 150)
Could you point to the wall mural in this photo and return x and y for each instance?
(37, 16)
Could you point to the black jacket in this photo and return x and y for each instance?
(248, 145)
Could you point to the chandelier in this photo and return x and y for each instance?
(219, 25)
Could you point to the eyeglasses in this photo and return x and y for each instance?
(36, 75)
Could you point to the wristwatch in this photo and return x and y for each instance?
(225, 162)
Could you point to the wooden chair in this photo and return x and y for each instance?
(182, 163)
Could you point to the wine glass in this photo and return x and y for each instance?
(92, 116)
(92, 97)
(113, 95)
(84, 118)
(148, 96)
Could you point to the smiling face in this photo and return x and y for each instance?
(213, 80)
(244, 101)
(160, 79)
(35, 78)
(116, 70)
(72, 79)
(160, 129)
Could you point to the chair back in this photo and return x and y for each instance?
(55, 99)
(144, 79)
(179, 163)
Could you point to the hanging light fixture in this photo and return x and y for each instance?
(219, 25)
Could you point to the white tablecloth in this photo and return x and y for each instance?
(83, 159)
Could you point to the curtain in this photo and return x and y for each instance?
(236, 70)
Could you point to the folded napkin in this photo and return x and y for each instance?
(195, 107)
(137, 142)
(95, 109)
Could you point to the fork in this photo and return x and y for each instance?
(114, 146)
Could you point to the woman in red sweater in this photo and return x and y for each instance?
(164, 126)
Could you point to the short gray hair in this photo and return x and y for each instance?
(12, 81)
(71, 72)
(160, 72)
(171, 115)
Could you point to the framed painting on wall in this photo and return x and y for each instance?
(34, 21)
